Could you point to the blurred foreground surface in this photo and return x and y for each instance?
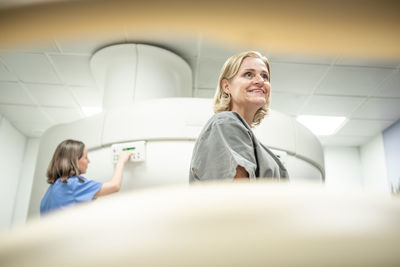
(235, 224)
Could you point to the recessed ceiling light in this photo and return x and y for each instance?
(90, 111)
(322, 125)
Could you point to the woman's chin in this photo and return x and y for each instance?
(259, 102)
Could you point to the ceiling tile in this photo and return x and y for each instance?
(52, 95)
(331, 105)
(208, 73)
(363, 127)
(88, 97)
(367, 62)
(31, 67)
(63, 115)
(15, 113)
(13, 93)
(38, 47)
(355, 81)
(379, 108)
(391, 87)
(343, 140)
(297, 58)
(88, 46)
(32, 129)
(287, 103)
(74, 70)
(296, 78)
(216, 51)
(6, 74)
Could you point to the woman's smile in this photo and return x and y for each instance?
(257, 91)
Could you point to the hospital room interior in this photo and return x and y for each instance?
(126, 75)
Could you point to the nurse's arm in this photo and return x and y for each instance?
(114, 185)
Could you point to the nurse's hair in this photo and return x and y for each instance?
(222, 100)
(64, 163)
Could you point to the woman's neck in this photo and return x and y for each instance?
(248, 116)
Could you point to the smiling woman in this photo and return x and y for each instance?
(244, 87)
(227, 148)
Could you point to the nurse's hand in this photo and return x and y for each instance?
(124, 156)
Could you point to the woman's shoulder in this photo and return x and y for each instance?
(75, 179)
(227, 121)
(226, 116)
(231, 118)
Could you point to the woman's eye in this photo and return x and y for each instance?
(248, 74)
(265, 76)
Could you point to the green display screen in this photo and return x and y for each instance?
(128, 148)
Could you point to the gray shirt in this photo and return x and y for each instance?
(227, 141)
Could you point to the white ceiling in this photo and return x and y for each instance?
(48, 84)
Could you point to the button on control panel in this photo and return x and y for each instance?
(138, 149)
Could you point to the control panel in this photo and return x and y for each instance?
(138, 149)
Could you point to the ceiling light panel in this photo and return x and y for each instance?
(322, 125)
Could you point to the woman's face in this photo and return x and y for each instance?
(83, 162)
(250, 87)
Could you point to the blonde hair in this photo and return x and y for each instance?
(222, 100)
(64, 163)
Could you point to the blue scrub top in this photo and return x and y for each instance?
(61, 194)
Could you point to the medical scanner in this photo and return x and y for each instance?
(144, 111)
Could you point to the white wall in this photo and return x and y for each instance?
(363, 167)
(374, 165)
(342, 167)
(12, 144)
(25, 181)
(391, 142)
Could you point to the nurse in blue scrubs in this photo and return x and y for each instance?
(68, 186)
